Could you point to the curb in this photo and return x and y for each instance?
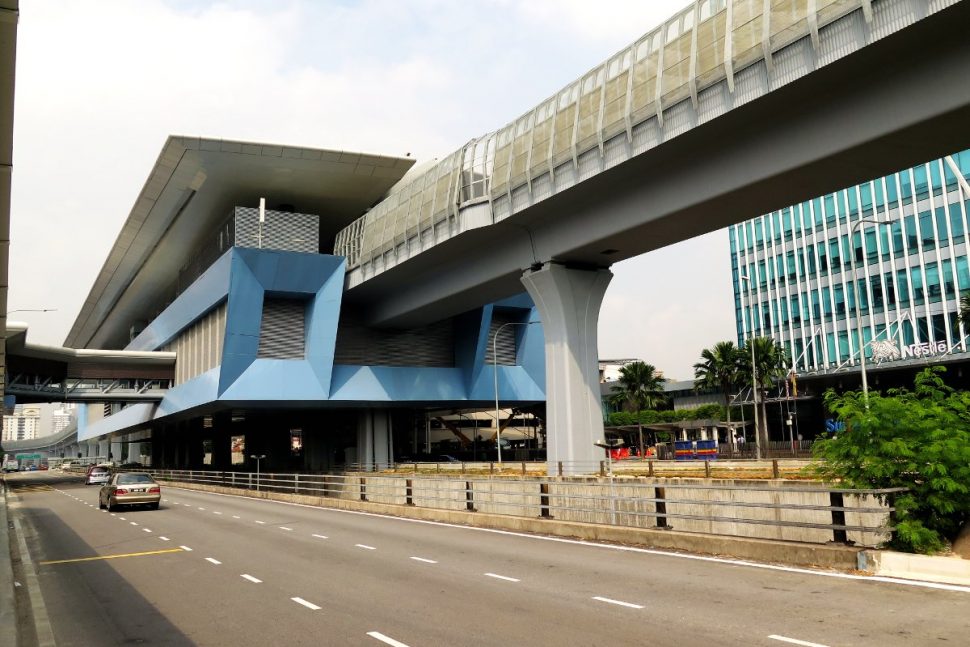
(925, 568)
(8, 605)
(789, 553)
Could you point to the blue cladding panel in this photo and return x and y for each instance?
(131, 416)
(207, 292)
(197, 391)
(396, 384)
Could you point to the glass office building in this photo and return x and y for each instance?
(812, 275)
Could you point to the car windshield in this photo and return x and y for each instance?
(99, 470)
(129, 479)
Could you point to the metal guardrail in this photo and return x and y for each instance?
(622, 502)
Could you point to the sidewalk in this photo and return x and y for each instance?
(925, 568)
(8, 608)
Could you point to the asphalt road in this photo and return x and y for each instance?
(222, 570)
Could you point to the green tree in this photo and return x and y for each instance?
(773, 364)
(916, 439)
(964, 314)
(639, 387)
(718, 369)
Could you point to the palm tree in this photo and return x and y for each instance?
(639, 387)
(773, 364)
(719, 370)
(964, 314)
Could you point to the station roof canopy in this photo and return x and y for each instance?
(192, 188)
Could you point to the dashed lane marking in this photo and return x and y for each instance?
(795, 641)
(618, 602)
(502, 577)
(386, 639)
(251, 578)
(320, 536)
(213, 560)
(308, 605)
(365, 546)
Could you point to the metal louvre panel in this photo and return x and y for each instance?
(504, 345)
(282, 332)
(430, 346)
(290, 232)
(198, 348)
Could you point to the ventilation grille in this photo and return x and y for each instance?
(432, 346)
(198, 348)
(282, 333)
(504, 345)
(290, 232)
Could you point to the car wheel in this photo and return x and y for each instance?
(153, 506)
(101, 506)
(111, 506)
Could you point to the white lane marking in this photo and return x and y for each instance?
(631, 549)
(165, 500)
(502, 577)
(203, 509)
(164, 538)
(262, 523)
(308, 605)
(214, 512)
(422, 559)
(285, 528)
(365, 546)
(619, 602)
(113, 514)
(186, 548)
(146, 529)
(213, 560)
(133, 523)
(320, 536)
(795, 641)
(251, 578)
(122, 518)
(385, 639)
(17, 584)
(235, 516)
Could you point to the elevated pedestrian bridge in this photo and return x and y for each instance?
(39, 373)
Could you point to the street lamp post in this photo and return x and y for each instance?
(858, 307)
(257, 459)
(498, 424)
(754, 375)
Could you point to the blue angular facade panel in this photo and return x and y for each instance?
(247, 276)
(208, 291)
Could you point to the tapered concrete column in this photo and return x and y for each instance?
(373, 439)
(569, 305)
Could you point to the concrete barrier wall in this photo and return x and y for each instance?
(625, 501)
(504, 496)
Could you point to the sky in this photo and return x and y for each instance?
(100, 85)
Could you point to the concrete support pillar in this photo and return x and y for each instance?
(569, 304)
(116, 448)
(373, 439)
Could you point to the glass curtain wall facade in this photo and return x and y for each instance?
(819, 271)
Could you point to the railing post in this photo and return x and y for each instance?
(559, 468)
(544, 501)
(838, 518)
(463, 467)
(363, 488)
(707, 469)
(660, 495)
(523, 468)
(491, 468)
(775, 472)
(602, 468)
(296, 484)
(408, 492)
(650, 468)
(469, 497)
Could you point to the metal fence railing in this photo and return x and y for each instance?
(799, 513)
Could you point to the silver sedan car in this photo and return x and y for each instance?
(130, 488)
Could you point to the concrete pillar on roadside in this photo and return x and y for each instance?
(569, 302)
(115, 450)
(373, 439)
